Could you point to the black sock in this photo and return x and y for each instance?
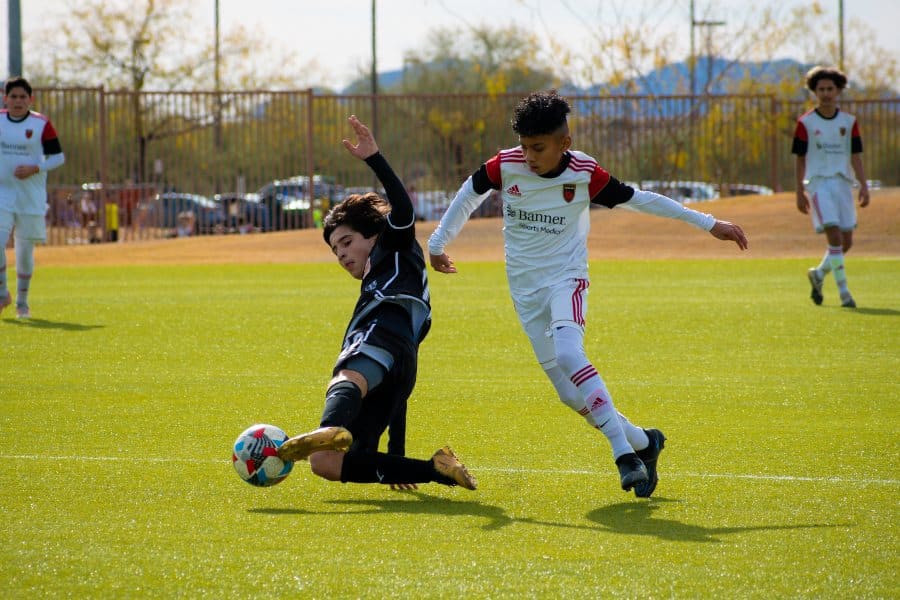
(342, 403)
(377, 467)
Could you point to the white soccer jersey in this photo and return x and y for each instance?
(546, 219)
(827, 144)
(25, 142)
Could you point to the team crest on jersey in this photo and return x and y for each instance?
(843, 131)
(29, 133)
(568, 192)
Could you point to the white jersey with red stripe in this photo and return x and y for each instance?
(23, 143)
(546, 220)
(827, 144)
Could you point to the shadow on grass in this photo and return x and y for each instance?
(878, 312)
(45, 324)
(418, 503)
(637, 518)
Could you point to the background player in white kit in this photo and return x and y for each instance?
(828, 144)
(547, 190)
(29, 147)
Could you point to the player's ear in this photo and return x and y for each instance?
(565, 142)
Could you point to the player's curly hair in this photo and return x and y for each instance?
(365, 213)
(540, 113)
(816, 74)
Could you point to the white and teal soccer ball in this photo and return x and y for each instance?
(255, 455)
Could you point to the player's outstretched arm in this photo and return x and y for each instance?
(442, 263)
(724, 230)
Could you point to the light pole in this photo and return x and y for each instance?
(841, 34)
(374, 76)
(15, 37)
(708, 24)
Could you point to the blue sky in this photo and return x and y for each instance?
(336, 33)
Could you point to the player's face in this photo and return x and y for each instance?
(17, 102)
(826, 93)
(351, 249)
(543, 153)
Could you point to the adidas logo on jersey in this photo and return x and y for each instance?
(513, 190)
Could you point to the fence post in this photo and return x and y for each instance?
(310, 162)
(773, 141)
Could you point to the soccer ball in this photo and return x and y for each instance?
(255, 455)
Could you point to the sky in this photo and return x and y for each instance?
(337, 33)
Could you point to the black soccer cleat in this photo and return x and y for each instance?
(816, 282)
(649, 455)
(631, 470)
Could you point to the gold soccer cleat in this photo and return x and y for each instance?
(446, 464)
(301, 446)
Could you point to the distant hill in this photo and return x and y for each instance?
(724, 74)
(670, 79)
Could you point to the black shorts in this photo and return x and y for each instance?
(386, 338)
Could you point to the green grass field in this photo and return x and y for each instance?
(120, 400)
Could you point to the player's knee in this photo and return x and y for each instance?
(326, 465)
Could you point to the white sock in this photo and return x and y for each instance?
(4, 237)
(824, 267)
(24, 270)
(836, 258)
(637, 437)
(569, 343)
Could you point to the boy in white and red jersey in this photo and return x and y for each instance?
(29, 148)
(827, 144)
(547, 190)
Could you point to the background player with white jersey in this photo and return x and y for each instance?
(547, 190)
(29, 148)
(828, 144)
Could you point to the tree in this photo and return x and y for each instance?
(128, 46)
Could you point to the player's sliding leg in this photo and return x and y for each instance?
(301, 446)
(364, 466)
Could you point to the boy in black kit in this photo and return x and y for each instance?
(374, 240)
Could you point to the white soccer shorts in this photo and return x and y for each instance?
(562, 304)
(831, 203)
(28, 227)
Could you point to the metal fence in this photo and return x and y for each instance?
(155, 164)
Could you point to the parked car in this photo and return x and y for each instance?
(683, 191)
(208, 216)
(244, 210)
(288, 204)
(744, 189)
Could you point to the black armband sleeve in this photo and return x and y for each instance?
(799, 147)
(51, 147)
(481, 183)
(613, 193)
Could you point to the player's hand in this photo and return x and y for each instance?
(404, 486)
(442, 263)
(802, 203)
(26, 171)
(724, 230)
(864, 196)
(365, 144)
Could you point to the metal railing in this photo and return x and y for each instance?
(143, 158)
